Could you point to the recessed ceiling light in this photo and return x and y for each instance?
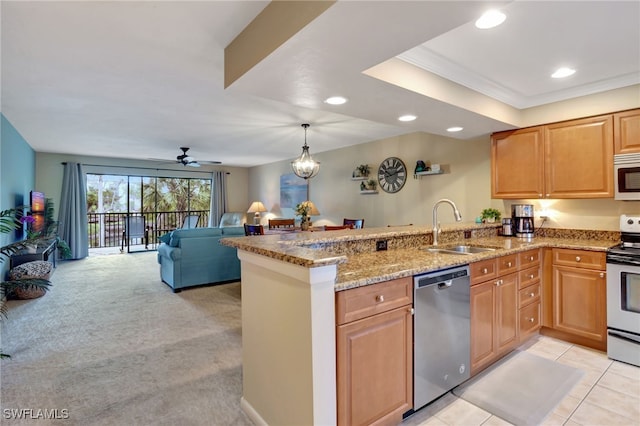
(563, 72)
(490, 19)
(455, 129)
(336, 100)
(407, 117)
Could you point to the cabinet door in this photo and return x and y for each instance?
(517, 163)
(506, 312)
(579, 158)
(579, 302)
(626, 132)
(375, 368)
(483, 329)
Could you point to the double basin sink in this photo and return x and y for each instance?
(460, 249)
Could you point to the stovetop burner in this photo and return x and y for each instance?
(629, 250)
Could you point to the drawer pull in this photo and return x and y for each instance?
(531, 294)
(508, 264)
(531, 276)
(485, 270)
(531, 258)
(601, 274)
(380, 298)
(578, 259)
(499, 282)
(531, 319)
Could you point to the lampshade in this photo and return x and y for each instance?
(305, 166)
(256, 207)
(313, 210)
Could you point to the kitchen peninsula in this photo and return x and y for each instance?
(289, 287)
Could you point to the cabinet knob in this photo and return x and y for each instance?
(531, 276)
(531, 294)
(531, 258)
(380, 298)
(531, 319)
(578, 259)
(499, 282)
(485, 270)
(508, 264)
(601, 274)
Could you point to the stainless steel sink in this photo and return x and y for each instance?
(461, 249)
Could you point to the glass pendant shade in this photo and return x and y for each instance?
(305, 166)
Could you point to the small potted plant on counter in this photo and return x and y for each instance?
(490, 215)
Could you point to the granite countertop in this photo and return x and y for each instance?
(358, 266)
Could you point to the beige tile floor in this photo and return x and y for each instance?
(608, 394)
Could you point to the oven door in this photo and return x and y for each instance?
(623, 297)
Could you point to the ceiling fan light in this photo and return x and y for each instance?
(305, 166)
(490, 19)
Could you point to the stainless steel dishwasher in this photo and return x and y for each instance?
(441, 333)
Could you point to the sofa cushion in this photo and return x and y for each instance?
(165, 238)
(231, 231)
(178, 234)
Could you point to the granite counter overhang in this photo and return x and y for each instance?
(313, 249)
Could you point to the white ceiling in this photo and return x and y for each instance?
(140, 79)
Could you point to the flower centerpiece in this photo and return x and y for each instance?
(303, 210)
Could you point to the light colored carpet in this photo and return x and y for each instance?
(113, 345)
(522, 388)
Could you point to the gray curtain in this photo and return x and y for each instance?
(72, 217)
(219, 200)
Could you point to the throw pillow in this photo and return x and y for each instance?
(165, 238)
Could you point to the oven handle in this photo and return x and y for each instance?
(626, 337)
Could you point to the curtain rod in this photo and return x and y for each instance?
(140, 168)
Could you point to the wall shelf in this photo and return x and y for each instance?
(369, 191)
(427, 173)
(360, 178)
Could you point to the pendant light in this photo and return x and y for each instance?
(305, 166)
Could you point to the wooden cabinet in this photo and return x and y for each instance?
(494, 310)
(374, 346)
(529, 294)
(571, 159)
(579, 297)
(626, 132)
(579, 158)
(517, 159)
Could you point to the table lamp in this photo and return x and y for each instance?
(256, 207)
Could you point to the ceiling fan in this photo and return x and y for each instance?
(187, 160)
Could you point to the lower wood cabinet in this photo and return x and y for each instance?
(374, 346)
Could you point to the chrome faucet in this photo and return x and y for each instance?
(436, 224)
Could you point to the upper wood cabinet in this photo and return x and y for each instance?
(571, 159)
(626, 132)
(517, 160)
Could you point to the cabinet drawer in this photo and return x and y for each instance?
(580, 258)
(529, 319)
(507, 264)
(529, 295)
(483, 271)
(373, 299)
(529, 258)
(528, 276)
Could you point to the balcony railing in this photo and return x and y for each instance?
(106, 229)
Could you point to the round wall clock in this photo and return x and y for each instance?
(392, 174)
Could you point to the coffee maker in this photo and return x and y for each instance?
(522, 220)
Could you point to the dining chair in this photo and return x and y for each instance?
(282, 223)
(253, 229)
(337, 227)
(357, 223)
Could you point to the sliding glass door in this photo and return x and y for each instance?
(163, 202)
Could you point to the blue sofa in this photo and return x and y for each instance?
(192, 257)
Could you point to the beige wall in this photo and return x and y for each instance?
(49, 172)
(466, 182)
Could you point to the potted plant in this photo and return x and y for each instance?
(303, 209)
(364, 170)
(371, 185)
(490, 215)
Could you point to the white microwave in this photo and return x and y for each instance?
(627, 176)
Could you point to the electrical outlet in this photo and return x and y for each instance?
(381, 245)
